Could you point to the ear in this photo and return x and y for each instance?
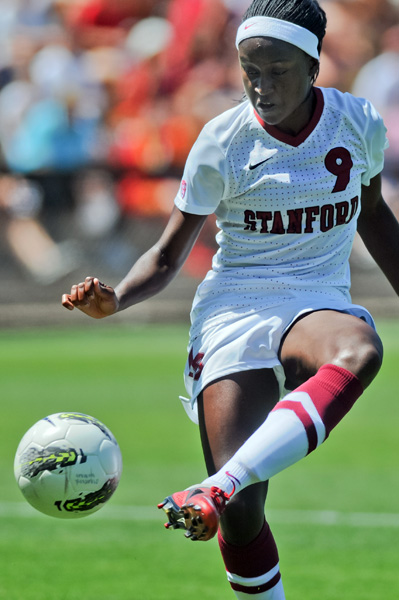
(314, 67)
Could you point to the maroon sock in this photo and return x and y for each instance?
(257, 559)
(333, 391)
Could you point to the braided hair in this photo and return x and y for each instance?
(306, 13)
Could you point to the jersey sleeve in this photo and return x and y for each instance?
(375, 142)
(203, 183)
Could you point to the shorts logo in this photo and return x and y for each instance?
(183, 188)
(195, 365)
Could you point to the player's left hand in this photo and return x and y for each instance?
(92, 297)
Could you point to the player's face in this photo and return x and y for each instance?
(278, 82)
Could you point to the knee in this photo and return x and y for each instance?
(363, 359)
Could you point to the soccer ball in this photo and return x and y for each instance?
(68, 465)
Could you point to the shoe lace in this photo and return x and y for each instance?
(220, 498)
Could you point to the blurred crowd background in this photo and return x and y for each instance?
(100, 103)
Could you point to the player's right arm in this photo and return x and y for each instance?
(152, 272)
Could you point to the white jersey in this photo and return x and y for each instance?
(286, 206)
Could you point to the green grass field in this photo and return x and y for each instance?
(335, 515)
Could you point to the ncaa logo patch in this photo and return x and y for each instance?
(183, 188)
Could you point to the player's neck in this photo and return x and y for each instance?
(310, 121)
(302, 116)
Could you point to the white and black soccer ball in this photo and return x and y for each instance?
(68, 465)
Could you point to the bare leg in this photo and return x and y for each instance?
(330, 337)
(230, 410)
(332, 357)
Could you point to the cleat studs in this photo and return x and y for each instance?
(197, 522)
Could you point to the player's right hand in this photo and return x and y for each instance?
(92, 297)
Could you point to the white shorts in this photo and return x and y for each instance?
(244, 342)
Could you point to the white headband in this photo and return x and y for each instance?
(281, 30)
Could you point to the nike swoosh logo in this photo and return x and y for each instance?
(233, 480)
(248, 26)
(251, 167)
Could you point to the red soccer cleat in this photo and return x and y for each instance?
(197, 510)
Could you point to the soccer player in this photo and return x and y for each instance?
(278, 353)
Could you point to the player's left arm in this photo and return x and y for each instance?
(379, 230)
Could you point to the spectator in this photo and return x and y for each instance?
(28, 240)
(97, 86)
